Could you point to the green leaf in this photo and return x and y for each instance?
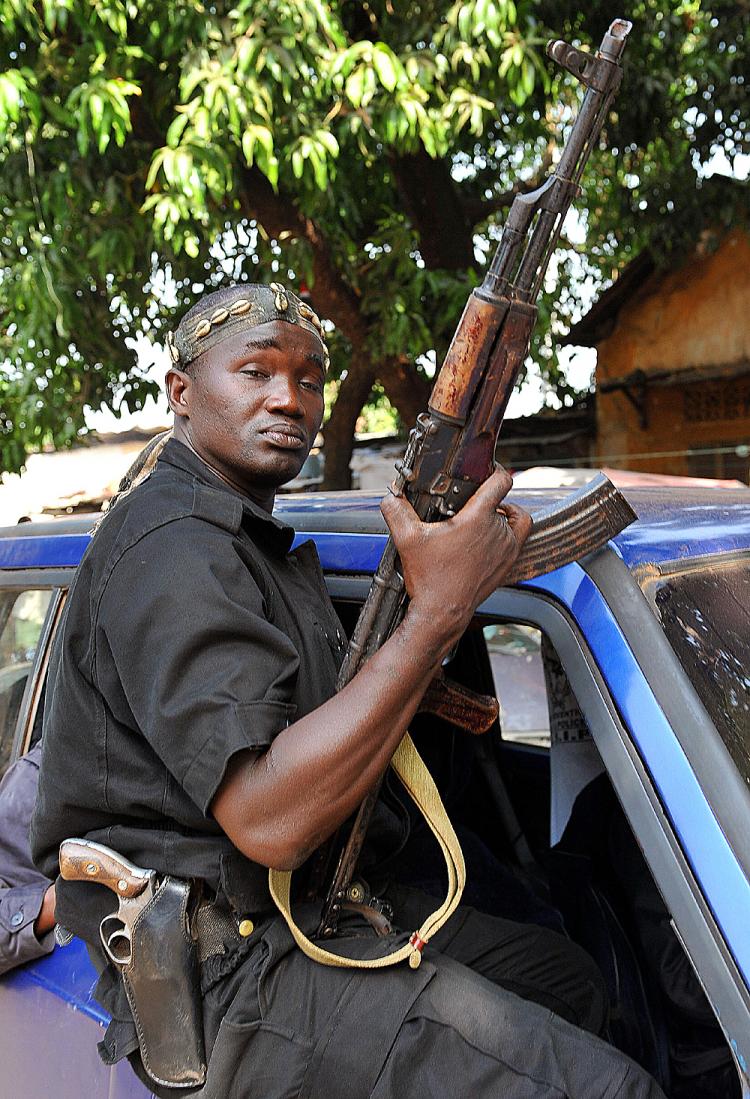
(355, 86)
(329, 142)
(527, 76)
(428, 140)
(271, 170)
(320, 171)
(96, 107)
(248, 145)
(154, 168)
(383, 60)
(103, 141)
(465, 20)
(176, 130)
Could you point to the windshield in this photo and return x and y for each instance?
(705, 613)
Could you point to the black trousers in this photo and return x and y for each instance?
(281, 1026)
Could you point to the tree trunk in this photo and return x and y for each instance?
(339, 430)
(436, 210)
(407, 390)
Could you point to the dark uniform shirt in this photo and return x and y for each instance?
(191, 633)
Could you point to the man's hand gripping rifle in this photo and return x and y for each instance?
(451, 451)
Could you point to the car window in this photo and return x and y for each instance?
(22, 615)
(515, 652)
(705, 612)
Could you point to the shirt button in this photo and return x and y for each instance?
(16, 919)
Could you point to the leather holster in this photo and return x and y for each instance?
(162, 983)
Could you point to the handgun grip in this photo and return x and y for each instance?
(84, 860)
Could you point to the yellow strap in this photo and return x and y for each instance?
(410, 768)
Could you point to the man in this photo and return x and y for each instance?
(27, 899)
(193, 727)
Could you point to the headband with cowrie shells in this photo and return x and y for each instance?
(244, 306)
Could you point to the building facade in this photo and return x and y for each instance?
(673, 364)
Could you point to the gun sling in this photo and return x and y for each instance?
(408, 765)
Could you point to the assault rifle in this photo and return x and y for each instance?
(451, 451)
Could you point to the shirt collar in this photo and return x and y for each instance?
(176, 454)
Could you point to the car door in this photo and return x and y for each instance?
(28, 612)
(637, 704)
(629, 708)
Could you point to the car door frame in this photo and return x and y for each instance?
(36, 579)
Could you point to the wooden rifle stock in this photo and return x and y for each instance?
(451, 450)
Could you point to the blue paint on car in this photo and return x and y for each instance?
(68, 974)
(346, 553)
(49, 551)
(674, 523)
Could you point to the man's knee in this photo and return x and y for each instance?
(577, 981)
(560, 975)
(535, 963)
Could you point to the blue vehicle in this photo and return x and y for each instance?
(624, 684)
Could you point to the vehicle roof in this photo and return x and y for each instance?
(673, 523)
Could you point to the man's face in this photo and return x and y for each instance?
(252, 406)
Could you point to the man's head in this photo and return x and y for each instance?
(246, 385)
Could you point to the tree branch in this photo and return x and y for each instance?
(479, 209)
(278, 214)
(407, 390)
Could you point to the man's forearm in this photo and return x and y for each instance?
(278, 806)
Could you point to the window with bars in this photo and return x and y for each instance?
(704, 402)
